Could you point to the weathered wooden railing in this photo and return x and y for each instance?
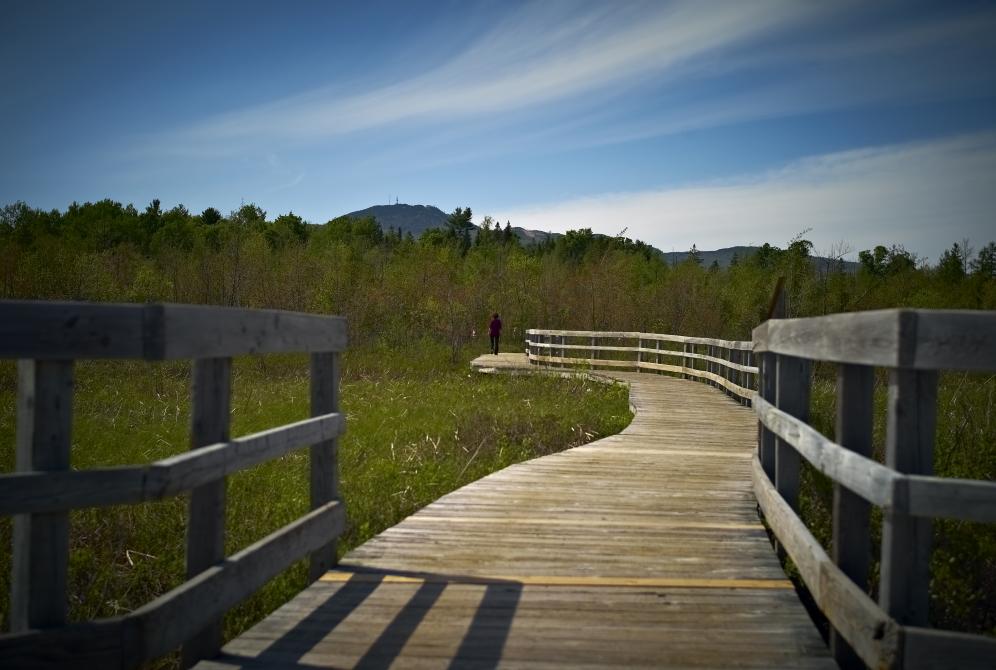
(46, 338)
(913, 345)
(725, 364)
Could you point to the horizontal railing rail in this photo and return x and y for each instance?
(914, 345)
(725, 364)
(46, 337)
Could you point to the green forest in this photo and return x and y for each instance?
(417, 310)
(446, 283)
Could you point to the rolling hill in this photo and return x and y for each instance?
(416, 219)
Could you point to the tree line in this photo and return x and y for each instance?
(444, 284)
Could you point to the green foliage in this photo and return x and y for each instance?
(884, 262)
(984, 266)
(952, 265)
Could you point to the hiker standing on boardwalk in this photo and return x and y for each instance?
(494, 330)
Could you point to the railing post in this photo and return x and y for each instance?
(791, 396)
(659, 356)
(639, 352)
(727, 371)
(735, 375)
(906, 540)
(851, 545)
(324, 455)
(684, 359)
(210, 411)
(766, 389)
(41, 541)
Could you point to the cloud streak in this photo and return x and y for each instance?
(922, 195)
(535, 57)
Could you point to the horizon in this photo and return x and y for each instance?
(714, 125)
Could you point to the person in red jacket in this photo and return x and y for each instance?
(494, 330)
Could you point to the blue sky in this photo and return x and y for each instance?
(707, 123)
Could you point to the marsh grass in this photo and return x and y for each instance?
(963, 562)
(418, 426)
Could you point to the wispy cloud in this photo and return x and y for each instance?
(922, 195)
(536, 56)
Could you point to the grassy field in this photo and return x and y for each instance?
(963, 563)
(418, 425)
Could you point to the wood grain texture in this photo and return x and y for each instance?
(851, 543)
(41, 541)
(906, 540)
(928, 648)
(61, 330)
(792, 389)
(729, 344)
(162, 625)
(99, 487)
(923, 339)
(642, 549)
(209, 423)
(324, 465)
(869, 631)
(946, 498)
(871, 480)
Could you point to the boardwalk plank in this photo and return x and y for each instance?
(638, 550)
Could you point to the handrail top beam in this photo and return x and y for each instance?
(744, 345)
(42, 329)
(922, 339)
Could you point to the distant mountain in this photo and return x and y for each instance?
(414, 219)
(725, 256)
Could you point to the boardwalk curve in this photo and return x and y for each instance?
(639, 549)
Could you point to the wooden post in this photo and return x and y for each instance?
(324, 455)
(593, 345)
(684, 359)
(767, 381)
(659, 355)
(909, 447)
(736, 376)
(713, 365)
(791, 396)
(851, 545)
(639, 352)
(41, 541)
(755, 382)
(726, 356)
(766, 440)
(210, 410)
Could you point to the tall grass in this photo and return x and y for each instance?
(418, 426)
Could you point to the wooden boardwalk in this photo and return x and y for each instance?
(638, 550)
